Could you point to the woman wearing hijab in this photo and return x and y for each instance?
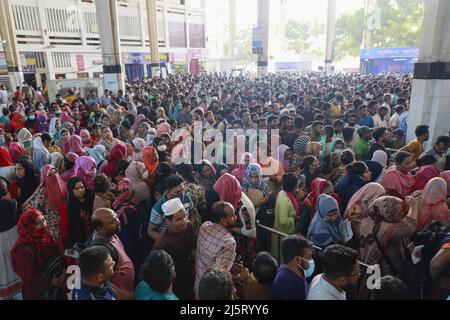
(5, 158)
(432, 204)
(75, 145)
(446, 176)
(86, 169)
(99, 154)
(25, 138)
(76, 213)
(428, 170)
(137, 174)
(206, 175)
(255, 186)
(384, 235)
(42, 123)
(48, 198)
(324, 229)
(137, 122)
(17, 122)
(108, 140)
(57, 160)
(358, 175)
(285, 155)
(138, 145)
(16, 150)
(69, 164)
(27, 181)
(62, 139)
(375, 169)
(163, 128)
(287, 211)
(125, 205)
(229, 190)
(382, 158)
(41, 156)
(86, 140)
(10, 283)
(221, 169)
(196, 192)
(161, 114)
(245, 161)
(30, 254)
(300, 145)
(151, 161)
(309, 208)
(118, 152)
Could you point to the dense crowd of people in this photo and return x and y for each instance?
(325, 191)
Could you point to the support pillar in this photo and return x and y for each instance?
(107, 17)
(9, 45)
(152, 20)
(263, 24)
(430, 99)
(232, 26)
(331, 31)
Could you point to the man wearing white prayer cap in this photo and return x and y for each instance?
(178, 241)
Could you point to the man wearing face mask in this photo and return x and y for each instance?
(290, 281)
(341, 271)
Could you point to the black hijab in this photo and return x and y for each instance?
(77, 226)
(29, 183)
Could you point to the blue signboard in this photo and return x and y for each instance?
(388, 53)
(142, 58)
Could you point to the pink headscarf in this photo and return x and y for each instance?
(432, 204)
(229, 189)
(364, 197)
(163, 128)
(137, 122)
(65, 117)
(69, 173)
(140, 188)
(85, 168)
(75, 145)
(446, 176)
(86, 132)
(125, 199)
(281, 152)
(16, 150)
(55, 190)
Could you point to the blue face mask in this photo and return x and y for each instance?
(311, 266)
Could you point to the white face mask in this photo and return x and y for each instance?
(145, 175)
(162, 148)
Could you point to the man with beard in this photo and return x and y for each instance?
(285, 127)
(106, 225)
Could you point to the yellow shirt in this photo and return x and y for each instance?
(414, 147)
(335, 111)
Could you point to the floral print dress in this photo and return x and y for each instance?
(38, 201)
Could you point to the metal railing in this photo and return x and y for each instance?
(282, 235)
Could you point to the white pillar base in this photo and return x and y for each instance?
(261, 71)
(430, 103)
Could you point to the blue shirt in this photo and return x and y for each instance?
(93, 293)
(144, 292)
(91, 101)
(367, 121)
(289, 285)
(157, 214)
